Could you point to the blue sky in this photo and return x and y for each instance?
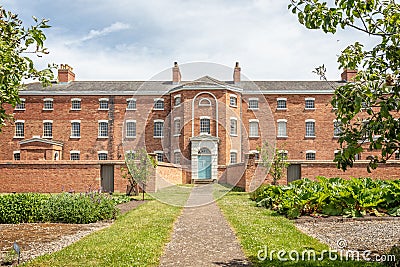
(134, 40)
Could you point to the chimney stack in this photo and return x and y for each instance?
(236, 73)
(348, 75)
(176, 74)
(65, 74)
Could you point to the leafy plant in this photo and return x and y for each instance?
(274, 160)
(331, 197)
(21, 208)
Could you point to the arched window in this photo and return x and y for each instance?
(205, 102)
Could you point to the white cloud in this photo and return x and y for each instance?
(115, 27)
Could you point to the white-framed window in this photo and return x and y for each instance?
(103, 129)
(234, 127)
(102, 155)
(253, 128)
(310, 155)
(76, 104)
(253, 103)
(283, 153)
(47, 129)
(281, 103)
(205, 125)
(75, 129)
(17, 155)
(205, 102)
(130, 154)
(19, 129)
(74, 155)
(177, 126)
(48, 104)
(397, 155)
(103, 104)
(130, 128)
(256, 154)
(310, 103)
(177, 156)
(177, 100)
(233, 100)
(159, 104)
(337, 128)
(282, 129)
(159, 155)
(310, 128)
(131, 104)
(158, 128)
(233, 156)
(20, 106)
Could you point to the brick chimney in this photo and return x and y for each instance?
(176, 74)
(348, 75)
(236, 73)
(65, 74)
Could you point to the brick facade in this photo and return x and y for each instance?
(202, 98)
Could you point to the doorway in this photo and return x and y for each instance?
(293, 172)
(107, 178)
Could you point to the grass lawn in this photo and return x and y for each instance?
(137, 238)
(259, 227)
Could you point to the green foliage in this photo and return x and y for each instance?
(9, 258)
(16, 42)
(119, 199)
(140, 167)
(390, 260)
(274, 160)
(65, 208)
(79, 208)
(368, 106)
(21, 208)
(332, 197)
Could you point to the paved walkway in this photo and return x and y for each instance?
(202, 236)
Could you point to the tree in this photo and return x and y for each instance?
(274, 160)
(367, 107)
(140, 165)
(16, 42)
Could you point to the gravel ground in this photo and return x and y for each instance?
(36, 239)
(375, 234)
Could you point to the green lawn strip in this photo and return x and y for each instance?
(176, 195)
(137, 238)
(258, 227)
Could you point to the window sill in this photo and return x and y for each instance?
(102, 137)
(130, 137)
(158, 109)
(254, 136)
(284, 109)
(20, 137)
(234, 135)
(177, 135)
(49, 137)
(74, 137)
(105, 109)
(309, 108)
(130, 109)
(310, 137)
(158, 137)
(233, 106)
(75, 109)
(19, 109)
(253, 108)
(282, 136)
(176, 106)
(48, 109)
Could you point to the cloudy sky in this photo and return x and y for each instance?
(134, 40)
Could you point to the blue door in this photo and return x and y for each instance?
(204, 167)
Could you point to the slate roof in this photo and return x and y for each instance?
(162, 87)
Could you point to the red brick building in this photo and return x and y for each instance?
(76, 134)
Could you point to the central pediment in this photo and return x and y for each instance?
(206, 82)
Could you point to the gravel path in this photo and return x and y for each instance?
(202, 236)
(377, 235)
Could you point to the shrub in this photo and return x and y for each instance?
(118, 199)
(79, 208)
(393, 257)
(21, 208)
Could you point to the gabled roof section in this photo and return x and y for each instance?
(206, 82)
(41, 140)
